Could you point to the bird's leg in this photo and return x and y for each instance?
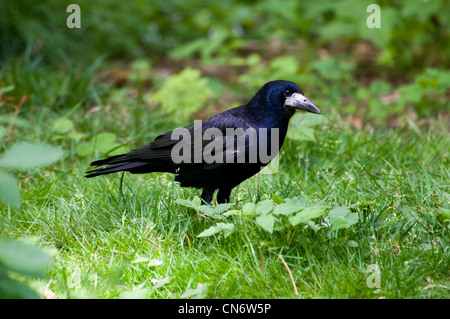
(223, 196)
(207, 195)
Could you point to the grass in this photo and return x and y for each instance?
(129, 238)
(383, 152)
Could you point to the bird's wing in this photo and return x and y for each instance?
(236, 142)
(195, 140)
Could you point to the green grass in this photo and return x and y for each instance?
(382, 153)
(118, 239)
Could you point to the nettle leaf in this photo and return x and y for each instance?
(301, 126)
(210, 231)
(248, 209)
(445, 212)
(187, 203)
(106, 143)
(84, 149)
(221, 208)
(197, 293)
(313, 225)
(264, 207)
(140, 260)
(210, 211)
(62, 125)
(302, 134)
(76, 136)
(10, 289)
(197, 201)
(9, 190)
(307, 214)
(184, 93)
(287, 209)
(154, 263)
(342, 217)
(307, 119)
(133, 294)
(266, 222)
(103, 138)
(227, 229)
(23, 258)
(352, 243)
(299, 201)
(233, 212)
(206, 209)
(23, 156)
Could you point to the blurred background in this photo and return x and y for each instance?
(217, 55)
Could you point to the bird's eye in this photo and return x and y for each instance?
(287, 93)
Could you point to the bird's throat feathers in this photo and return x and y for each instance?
(267, 111)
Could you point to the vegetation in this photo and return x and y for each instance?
(358, 208)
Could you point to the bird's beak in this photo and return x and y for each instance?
(299, 101)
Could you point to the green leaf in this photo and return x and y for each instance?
(287, 209)
(187, 203)
(62, 125)
(76, 136)
(277, 199)
(299, 201)
(307, 214)
(197, 201)
(352, 243)
(7, 89)
(9, 190)
(84, 149)
(301, 126)
(134, 294)
(210, 211)
(3, 131)
(220, 208)
(301, 134)
(10, 289)
(313, 225)
(105, 143)
(23, 258)
(197, 293)
(154, 263)
(184, 93)
(157, 283)
(150, 262)
(445, 212)
(228, 228)
(206, 209)
(266, 222)
(264, 207)
(307, 119)
(210, 231)
(23, 156)
(233, 212)
(103, 138)
(140, 260)
(248, 209)
(342, 217)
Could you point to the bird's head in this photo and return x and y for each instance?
(286, 95)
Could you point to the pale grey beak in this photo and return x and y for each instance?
(299, 101)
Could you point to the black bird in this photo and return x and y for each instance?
(222, 151)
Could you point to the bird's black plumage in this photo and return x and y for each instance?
(267, 115)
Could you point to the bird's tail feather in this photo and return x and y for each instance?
(109, 160)
(126, 166)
